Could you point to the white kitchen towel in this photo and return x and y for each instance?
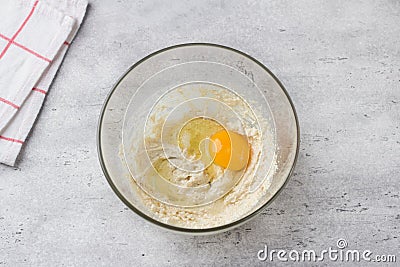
(34, 37)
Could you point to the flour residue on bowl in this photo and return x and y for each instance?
(196, 193)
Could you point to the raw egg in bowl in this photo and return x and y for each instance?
(198, 138)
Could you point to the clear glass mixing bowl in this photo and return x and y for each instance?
(189, 65)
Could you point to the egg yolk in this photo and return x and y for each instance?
(229, 150)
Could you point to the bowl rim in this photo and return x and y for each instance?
(176, 228)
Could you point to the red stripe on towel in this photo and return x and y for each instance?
(9, 103)
(11, 139)
(39, 90)
(25, 48)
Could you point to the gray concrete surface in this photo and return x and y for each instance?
(339, 60)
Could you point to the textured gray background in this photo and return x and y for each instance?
(339, 61)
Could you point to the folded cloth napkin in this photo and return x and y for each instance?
(34, 37)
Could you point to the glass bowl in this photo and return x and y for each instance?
(188, 67)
